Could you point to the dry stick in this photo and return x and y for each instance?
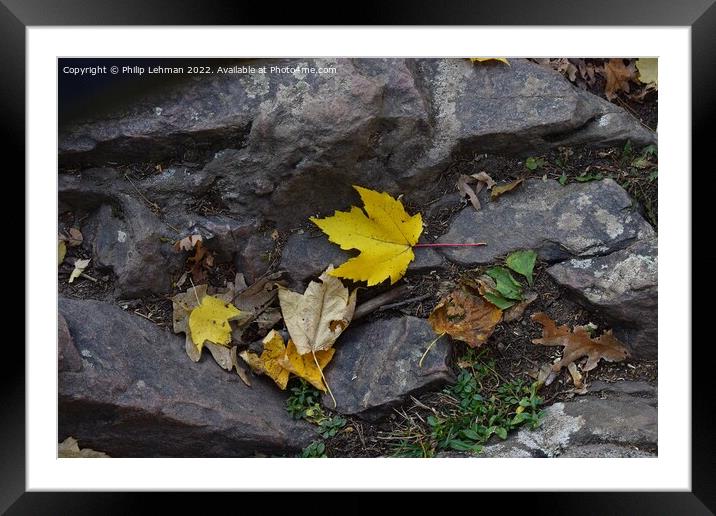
(153, 204)
(430, 346)
(325, 382)
(374, 304)
(85, 275)
(194, 288)
(450, 245)
(406, 302)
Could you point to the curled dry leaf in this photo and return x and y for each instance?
(498, 190)
(382, 231)
(70, 449)
(488, 59)
(465, 317)
(80, 266)
(316, 318)
(618, 76)
(278, 361)
(578, 344)
(482, 179)
(187, 243)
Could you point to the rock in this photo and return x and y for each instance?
(604, 451)
(426, 259)
(624, 387)
(622, 287)
(306, 255)
(223, 235)
(622, 422)
(255, 255)
(375, 367)
(292, 145)
(558, 222)
(68, 358)
(130, 244)
(139, 395)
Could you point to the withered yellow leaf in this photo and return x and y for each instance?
(500, 189)
(61, 251)
(274, 351)
(648, 68)
(465, 317)
(384, 234)
(210, 321)
(304, 366)
(316, 318)
(485, 59)
(70, 449)
(80, 266)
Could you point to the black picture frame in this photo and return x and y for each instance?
(700, 15)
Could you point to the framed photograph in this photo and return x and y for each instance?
(431, 256)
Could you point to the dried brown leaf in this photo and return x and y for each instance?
(618, 76)
(465, 317)
(501, 189)
(515, 312)
(577, 344)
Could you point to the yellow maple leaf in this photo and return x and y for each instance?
(278, 361)
(484, 59)
(304, 366)
(384, 234)
(210, 321)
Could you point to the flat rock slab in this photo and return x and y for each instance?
(623, 287)
(375, 367)
(558, 222)
(137, 394)
(306, 255)
(603, 427)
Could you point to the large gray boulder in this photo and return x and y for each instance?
(375, 367)
(558, 222)
(622, 287)
(292, 144)
(137, 394)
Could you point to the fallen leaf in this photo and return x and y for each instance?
(384, 234)
(488, 59)
(278, 361)
(501, 189)
(61, 251)
(516, 312)
(75, 237)
(226, 359)
(187, 243)
(210, 321)
(316, 318)
(482, 179)
(486, 287)
(70, 449)
(505, 283)
(304, 366)
(465, 317)
(522, 262)
(80, 266)
(618, 76)
(648, 68)
(183, 304)
(578, 344)
(576, 376)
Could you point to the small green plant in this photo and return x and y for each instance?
(588, 176)
(330, 426)
(563, 179)
(304, 401)
(534, 163)
(315, 450)
(481, 404)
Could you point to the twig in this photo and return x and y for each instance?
(146, 317)
(374, 304)
(406, 302)
(430, 346)
(150, 203)
(85, 275)
(451, 245)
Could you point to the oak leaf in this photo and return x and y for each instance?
(618, 76)
(577, 343)
(316, 318)
(465, 317)
(382, 231)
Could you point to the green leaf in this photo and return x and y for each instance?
(654, 174)
(506, 284)
(499, 301)
(501, 432)
(534, 163)
(523, 262)
(563, 179)
(589, 177)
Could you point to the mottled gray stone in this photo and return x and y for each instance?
(606, 451)
(558, 222)
(624, 421)
(139, 395)
(623, 287)
(624, 387)
(68, 358)
(375, 367)
(129, 241)
(254, 256)
(224, 236)
(292, 145)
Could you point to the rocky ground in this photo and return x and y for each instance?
(244, 160)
